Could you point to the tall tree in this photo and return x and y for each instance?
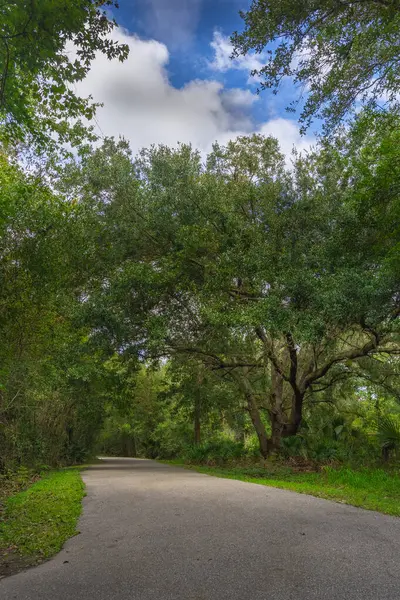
(46, 46)
(268, 275)
(51, 400)
(338, 53)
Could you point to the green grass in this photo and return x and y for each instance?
(373, 489)
(38, 521)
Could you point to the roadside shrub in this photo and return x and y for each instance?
(217, 452)
(173, 438)
(293, 447)
(353, 447)
(252, 447)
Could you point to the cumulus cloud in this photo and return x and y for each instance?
(141, 104)
(287, 132)
(172, 21)
(223, 60)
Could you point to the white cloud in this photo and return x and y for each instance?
(142, 105)
(287, 132)
(172, 21)
(223, 62)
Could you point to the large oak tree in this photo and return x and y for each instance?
(281, 279)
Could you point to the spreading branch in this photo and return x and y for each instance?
(269, 353)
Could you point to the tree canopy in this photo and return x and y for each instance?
(171, 303)
(249, 267)
(46, 47)
(338, 53)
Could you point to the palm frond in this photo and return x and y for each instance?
(389, 432)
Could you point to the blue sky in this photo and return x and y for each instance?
(179, 84)
(185, 26)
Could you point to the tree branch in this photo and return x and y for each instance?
(350, 355)
(293, 360)
(270, 355)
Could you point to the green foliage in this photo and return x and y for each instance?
(39, 520)
(51, 407)
(134, 415)
(216, 452)
(278, 281)
(373, 489)
(46, 47)
(252, 447)
(157, 416)
(338, 53)
(389, 432)
(162, 305)
(340, 432)
(263, 312)
(173, 436)
(15, 481)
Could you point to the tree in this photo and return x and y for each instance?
(272, 277)
(338, 53)
(46, 47)
(51, 371)
(205, 400)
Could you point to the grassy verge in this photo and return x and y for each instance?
(38, 521)
(373, 489)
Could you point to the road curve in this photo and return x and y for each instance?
(153, 532)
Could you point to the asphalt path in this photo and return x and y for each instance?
(154, 532)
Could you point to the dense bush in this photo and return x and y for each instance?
(215, 452)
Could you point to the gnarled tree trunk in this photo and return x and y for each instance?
(296, 415)
(258, 425)
(255, 415)
(284, 425)
(276, 414)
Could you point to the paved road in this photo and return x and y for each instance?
(152, 532)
